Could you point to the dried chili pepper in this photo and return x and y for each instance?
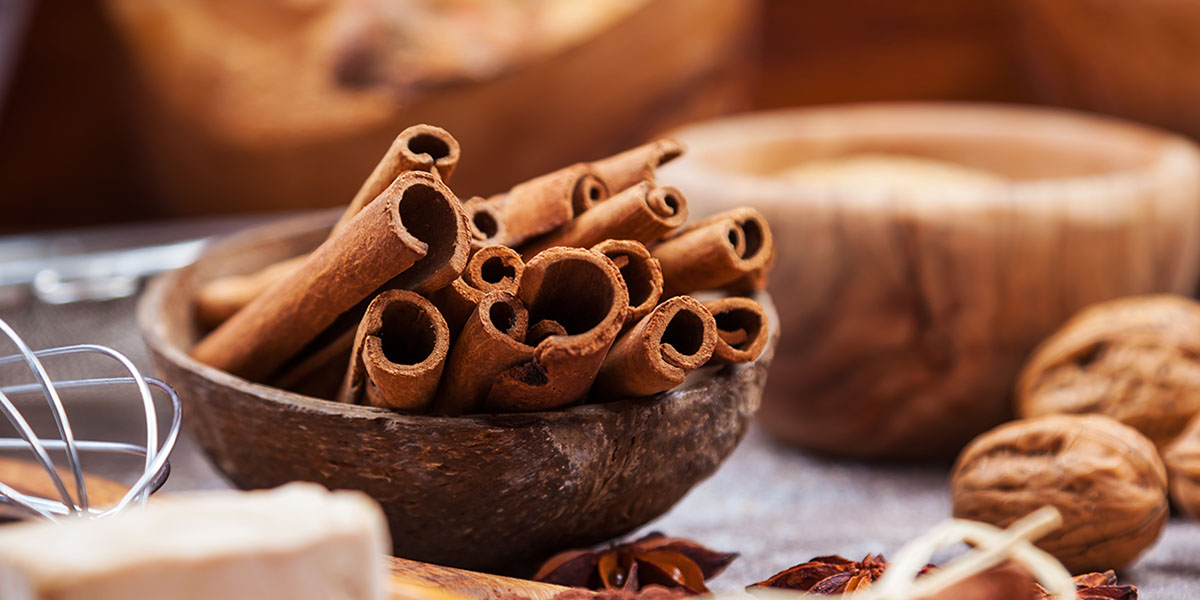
(652, 560)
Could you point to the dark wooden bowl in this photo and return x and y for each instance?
(490, 492)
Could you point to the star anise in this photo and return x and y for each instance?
(831, 575)
(652, 560)
(1098, 586)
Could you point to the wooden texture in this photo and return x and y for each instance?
(255, 93)
(1136, 60)
(468, 585)
(487, 492)
(907, 315)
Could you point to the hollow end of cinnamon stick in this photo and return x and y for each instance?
(732, 250)
(635, 165)
(657, 353)
(589, 190)
(640, 272)
(430, 212)
(742, 329)
(417, 148)
(489, 343)
(581, 291)
(402, 346)
(486, 221)
(431, 148)
(494, 269)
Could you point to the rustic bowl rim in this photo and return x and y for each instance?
(152, 327)
(1170, 152)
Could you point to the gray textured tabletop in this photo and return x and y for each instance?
(774, 505)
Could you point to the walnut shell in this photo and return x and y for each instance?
(1183, 463)
(1134, 359)
(1104, 477)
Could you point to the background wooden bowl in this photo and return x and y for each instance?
(248, 107)
(1137, 60)
(907, 315)
(485, 492)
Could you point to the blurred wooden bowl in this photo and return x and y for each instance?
(907, 314)
(1137, 60)
(289, 104)
(491, 492)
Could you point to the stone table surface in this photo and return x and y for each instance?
(775, 505)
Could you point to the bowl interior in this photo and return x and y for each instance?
(1015, 143)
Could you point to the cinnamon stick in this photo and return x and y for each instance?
(399, 352)
(641, 213)
(640, 272)
(491, 269)
(438, 221)
(541, 205)
(417, 148)
(582, 291)
(490, 343)
(657, 353)
(220, 298)
(372, 249)
(420, 147)
(628, 168)
(729, 249)
(742, 329)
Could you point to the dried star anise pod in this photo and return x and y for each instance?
(652, 560)
(1098, 586)
(831, 575)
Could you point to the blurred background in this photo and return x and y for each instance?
(133, 110)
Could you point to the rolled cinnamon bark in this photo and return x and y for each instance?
(657, 353)
(582, 291)
(417, 148)
(731, 249)
(641, 213)
(633, 166)
(437, 220)
(372, 249)
(420, 147)
(543, 204)
(399, 352)
(640, 272)
(490, 343)
(491, 269)
(220, 298)
(742, 329)
(486, 222)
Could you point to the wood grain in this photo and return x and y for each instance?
(908, 315)
(28, 477)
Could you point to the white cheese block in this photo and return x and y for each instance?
(297, 542)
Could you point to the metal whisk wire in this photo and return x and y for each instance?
(156, 466)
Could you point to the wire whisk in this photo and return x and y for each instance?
(156, 466)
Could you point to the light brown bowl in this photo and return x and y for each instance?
(908, 314)
(262, 106)
(482, 492)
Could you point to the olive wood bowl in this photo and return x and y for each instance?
(909, 313)
(489, 492)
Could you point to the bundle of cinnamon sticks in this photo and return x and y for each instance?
(569, 286)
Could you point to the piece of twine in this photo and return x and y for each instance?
(991, 546)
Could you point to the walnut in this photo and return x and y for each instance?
(1104, 477)
(1183, 463)
(1135, 359)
